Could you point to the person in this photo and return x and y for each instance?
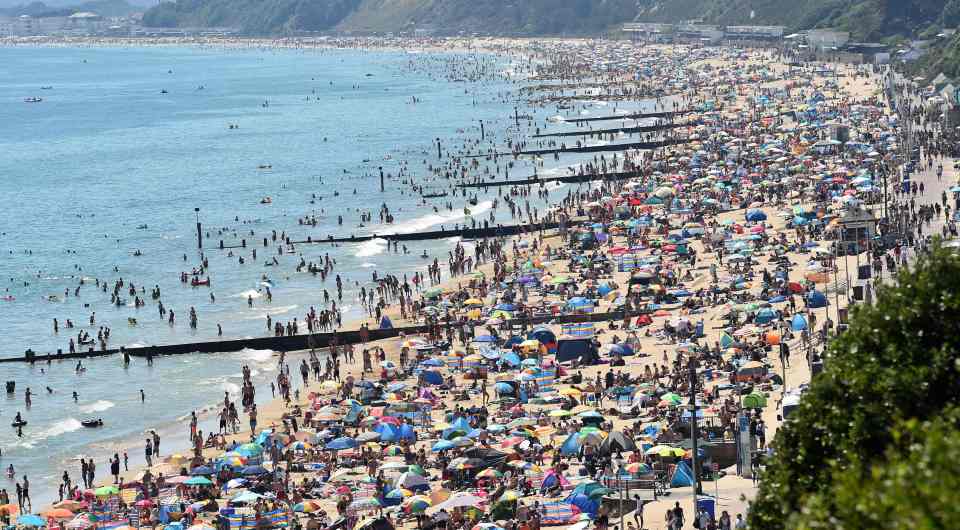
(26, 493)
(125, 459)
(115, 467)
(678, 519)
(156, 443)
(148, 452)
(253, 418)
(724, 522)
(741, 524)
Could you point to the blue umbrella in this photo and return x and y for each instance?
(343, 442)
(442, 445)
(202, 470)
(254, 470)
(484, 338)
(432, 362)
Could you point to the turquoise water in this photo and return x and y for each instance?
(107, 152)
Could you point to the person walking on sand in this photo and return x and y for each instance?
(148, 452)
(253, 418)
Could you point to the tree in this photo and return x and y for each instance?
(897, 362)
(916, 487)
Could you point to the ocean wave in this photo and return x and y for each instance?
(256, 355)
(368, 265)
(248, 294)
(371, 248)
(420, 224)
(97, 406)
(58, 428)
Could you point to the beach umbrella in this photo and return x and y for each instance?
(442, 445)
(104, 491)
(360, 505)
(489, 473)
(69, 504)
(434, 292)
(249, 449)
(198, 481)
(254, 470)
(344, 442)
(665, 450)
(637, 468)
(399, 493)
(31, 520)
(58, 513)
(417, 504)
(202, 470)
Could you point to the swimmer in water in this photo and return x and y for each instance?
(10, 472)
(75, 396)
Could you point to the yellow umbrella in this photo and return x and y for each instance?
(569, 391)
(473, 301)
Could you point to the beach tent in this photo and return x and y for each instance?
(755, 215)
(816, 299)
(617, 442)
(551, 479)
(490, 457)
(585, 503)
(798, 322)
(431, 377)
(385, 322)
(682, 476)
(546, 337)
(571, 445)
(583, 349)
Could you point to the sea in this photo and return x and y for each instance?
(107, 176)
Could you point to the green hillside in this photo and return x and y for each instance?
(501, 17)
(865, 19)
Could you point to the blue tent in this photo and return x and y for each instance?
(504, 389)
(510, 357)
(585, 503)
(571, 445)
(765, 315)
(682, 476)
(542, 334)
(622, 349)
(604, 289)
(816, 299)
(431, 377)
(798, 323)
(388, 432)
(407, 432)
(385, 322)
(755, 215)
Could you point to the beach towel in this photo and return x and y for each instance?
(558, 513)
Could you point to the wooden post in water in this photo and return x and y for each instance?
(199, 231)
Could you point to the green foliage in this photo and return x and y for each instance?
(866, 20)
(511, 17)
(915, 487)
(897, 362)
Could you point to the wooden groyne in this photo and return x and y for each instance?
(591, 148)
(625, 130)
(465, 233)
(298, 342)
(535, 180)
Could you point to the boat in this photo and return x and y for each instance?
(92, 423)
(434, 195)
(32, 99)
(266, 200)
